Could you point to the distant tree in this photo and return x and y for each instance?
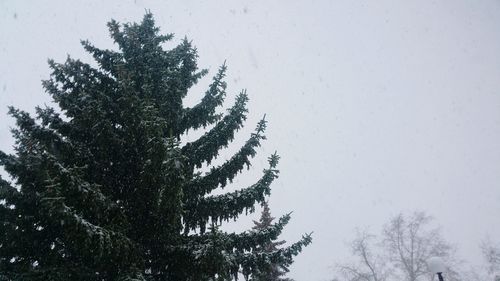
(369, 265)
(273, 271)
(491, 254)
(409, 242)
(400, 253)
(103, 187)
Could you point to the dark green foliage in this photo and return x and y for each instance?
(104, 190)
(273, 271)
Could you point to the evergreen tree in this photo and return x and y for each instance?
(103, 188)
(274, 271)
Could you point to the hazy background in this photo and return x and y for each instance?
(376, 107)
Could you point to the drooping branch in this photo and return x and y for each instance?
(250, 240)
(203, 114)
(207, 146)
(96, 244)
(75, 86)
(229, 254)
(244, 241)
(230, 205)
(182, 68)
(252, 262)
(85, 197)
(49, 136)
(219, 176)
(41, 148)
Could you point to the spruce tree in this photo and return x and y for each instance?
(274, 271)
(103, 188)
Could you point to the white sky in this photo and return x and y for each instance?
(376, 107)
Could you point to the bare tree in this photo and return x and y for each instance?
(491, 253)
(410, 242)
(400, 253)
(368, 267)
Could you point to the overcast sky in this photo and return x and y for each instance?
(376, 107)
